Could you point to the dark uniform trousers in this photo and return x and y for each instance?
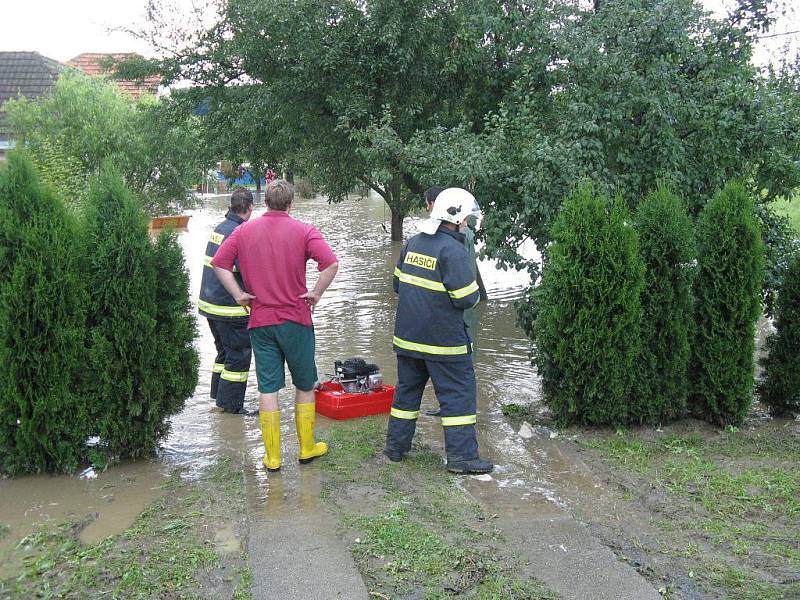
(229, 378)
(454, 384)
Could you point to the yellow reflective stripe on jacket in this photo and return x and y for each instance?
(222, 311)
(234, 375)
(217, 238)
(441, 350)
(404, 414)
(465, 291)
(465, 420)
(207, 263)
(436, 286)
(218, 368)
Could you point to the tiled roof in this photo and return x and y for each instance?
(25, 73)
(91, 63)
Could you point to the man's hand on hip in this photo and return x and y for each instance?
(312, 298)
(244, 299)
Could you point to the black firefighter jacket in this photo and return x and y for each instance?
(435, 283)
(215, 301)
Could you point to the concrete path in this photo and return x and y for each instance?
(295, 552)
(293, 548)
(300, 558)
(525, 499)
(558, 550)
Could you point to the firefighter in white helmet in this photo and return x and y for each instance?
(435, 283)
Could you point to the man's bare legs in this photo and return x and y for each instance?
(269, 402)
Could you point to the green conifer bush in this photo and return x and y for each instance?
(666, 240)
(727, 288)
(142, 363)
(43, 416)
(588, 313)
(779, 387)
(177, 359)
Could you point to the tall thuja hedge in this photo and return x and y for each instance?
(142, 362)
(666, 240)
(588, 312)
(727, 304)
(779, 387)
(43, 423)
(177, 358)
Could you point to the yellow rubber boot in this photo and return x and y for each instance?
(271, 432)
(304, 415)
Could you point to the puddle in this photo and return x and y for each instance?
(110, 503)
(226, 542)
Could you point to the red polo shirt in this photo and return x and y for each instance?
(272, 251)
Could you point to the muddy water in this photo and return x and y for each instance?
(355, 318)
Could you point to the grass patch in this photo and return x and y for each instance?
(420, 535)
(4, 529)
(516, 411)
(744, 587)
(245, 585)
(737, 490)
(790, 208)
(354, 445)
(165, 554)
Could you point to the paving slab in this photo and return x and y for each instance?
(293, 547)
(300, 558)
(564, 556)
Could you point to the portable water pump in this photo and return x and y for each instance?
(357, 376)
(356, 389)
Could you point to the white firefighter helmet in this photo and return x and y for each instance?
(452, 205)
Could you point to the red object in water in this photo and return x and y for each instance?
(334, 403)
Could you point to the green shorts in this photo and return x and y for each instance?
(288, 342)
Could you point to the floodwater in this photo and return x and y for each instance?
(355, 318)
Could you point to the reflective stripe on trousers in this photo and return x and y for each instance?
(233, 355)
(454, 384)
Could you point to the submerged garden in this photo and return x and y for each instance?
(634, 144)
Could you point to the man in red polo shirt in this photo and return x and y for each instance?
(272, 252)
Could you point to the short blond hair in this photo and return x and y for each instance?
(279, 194)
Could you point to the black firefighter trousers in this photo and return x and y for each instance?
(232, 365)
(454, 384)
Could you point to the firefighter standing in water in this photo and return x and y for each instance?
(226, 318)
(436, 284)
(470, 314)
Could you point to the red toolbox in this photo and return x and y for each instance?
(334, 403)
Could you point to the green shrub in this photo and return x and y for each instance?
(42, 313)
(141, 359)
(175, 332)
(63, 172)
(780, 247)
(667, 247)
(588, 312)
(727, 305)
(779, 387)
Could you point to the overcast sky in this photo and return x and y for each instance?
(62, 29)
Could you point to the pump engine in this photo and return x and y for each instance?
(357, 376)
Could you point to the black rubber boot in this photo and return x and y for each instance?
(392, 455)
(466, 467)
(242, 411)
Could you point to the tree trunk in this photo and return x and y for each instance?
(397, 226)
